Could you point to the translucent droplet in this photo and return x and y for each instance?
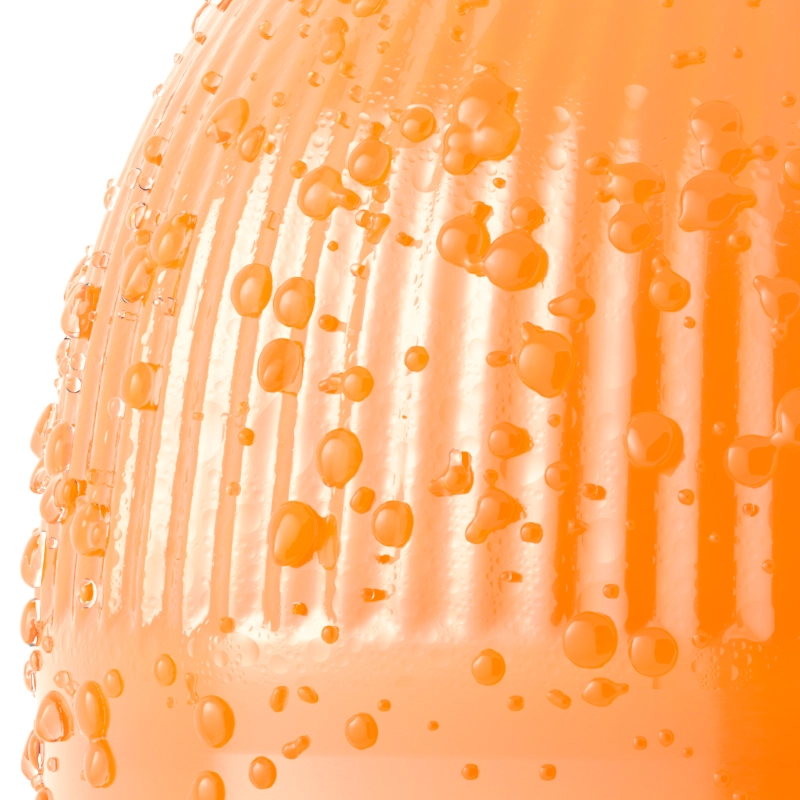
(457, 477)
(464, 241)
(384, 705)
(53, 719)
(338, 457)
(293, 303)
(362, 500)
(370, 161)
(666, 737)
(470, 772)
(722, 779)
(558, 476)
(653, 441)
(611, 591)
(228, 121)
(207, 786)
(416, 359)
(488, 667)
(686, 497)
(433, 725)
(668, 290)
(686, 58)
(544, 360)
(170, 243)
(590, 639)
(87, 593)
(293, 749)
(295, 533)
(531, 532)
(355, 384)
(211, 81)
(262, 773)
(280, 366)
(91, 710)
(639, 743)
(417, 123)
(321, 191)
(89, 530)
(575, 305)
(484, 127)
(547, 772)
(515, 703)
(559, 699)
(214, 721)
(153, 150)
(99, 767)
(603, 692)
(251, 290)
(653, 652)
(495, 510)
(392, 523)
(165, 670)
(361, 731)
(279, 698)
(780, 299)
(330, 634)
(113, 683)
(252, 142)
(307, 694)
(139, 386)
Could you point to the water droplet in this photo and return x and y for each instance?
(153, 150)
(686, 497)
(262, 772)
(416, 359)
(514, 261)
(307, 694)
(653, 652)
(373, 595)
(211, 81)
(547, 772)
(687, 752)
(280, 366)
(370, 161)
(417, 123)
(722, 779)
(214, 721)
(298, 169)
(515, 703)
(575, 305)
(169, 244)
(330, 634)
(611, 591)
(666, 737)
(433, 725)
(488, 667)
(495, 510)
(356, 384)
(639, 743)
(338, 457)
(653, 441)
(53, 719)
(207, 786)
(507, 440)
(780, 299)
(602, 692)
(228, 121)
(293, 303)
(251, 290)
(484, 127)
(300, 609)
(246, 437)
(295, 533)
(361, 731)
(559, 699)
(531, 532)
(558, 476)
(87, 593)
(768, 566)
(251, 143)
(384, 705)
(165, 670)
(392, 523)
(590, 639)
(362, 500)
(457, 478)
(685, 58)
(279, 698)
(333, 42)
(113, 683)
(738, 52)
(99, 767)
(31, 566)
(89, 530)
(750, 509)
(139, 386)
(470, 772)
(279, 99)
(91, 711)
(376, 225)
(668, 290)
(544, 360)
(464, 240)
(321, 191)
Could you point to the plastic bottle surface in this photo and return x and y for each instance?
(428, 415)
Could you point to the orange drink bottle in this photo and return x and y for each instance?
(428, 415)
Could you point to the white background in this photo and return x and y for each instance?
(77, 80)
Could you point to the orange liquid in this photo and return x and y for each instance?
(429, 415)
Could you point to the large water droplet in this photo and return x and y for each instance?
(53, 719)
(338, 457)
(488, 667)
(251, 290)
(590, 639)
(653, 652)
(280, 366)
(293, 303)
(361, 731)
(214, 721)
(392, 523)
